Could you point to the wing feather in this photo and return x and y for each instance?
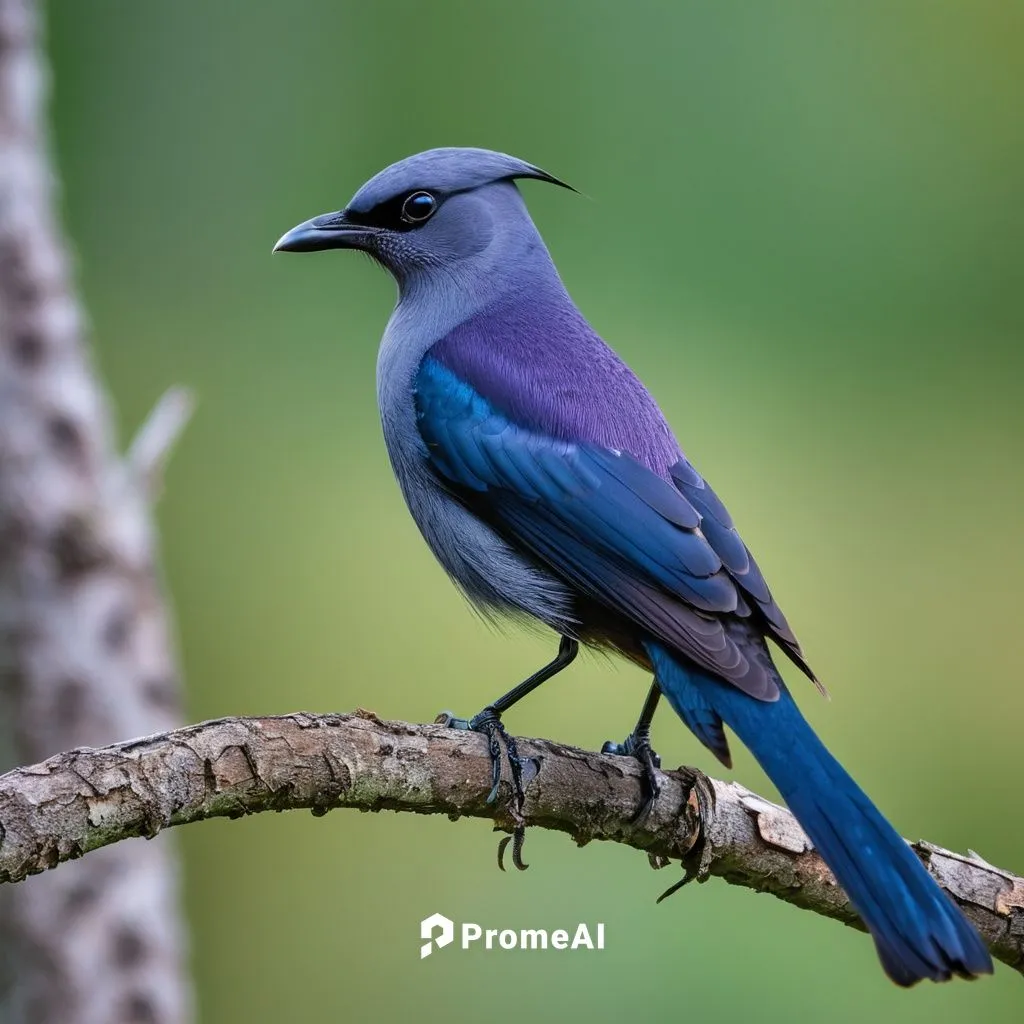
(665, 555)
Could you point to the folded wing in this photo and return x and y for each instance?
(663, 554)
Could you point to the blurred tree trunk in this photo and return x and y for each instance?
(85, 652)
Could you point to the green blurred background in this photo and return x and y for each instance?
(803, 229)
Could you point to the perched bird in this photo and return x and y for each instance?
(548, 484)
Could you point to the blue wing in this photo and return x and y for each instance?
(666, 557)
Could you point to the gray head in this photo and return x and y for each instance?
(445, 209)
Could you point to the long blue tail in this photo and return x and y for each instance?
(918, 930)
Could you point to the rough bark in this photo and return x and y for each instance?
(84, 799)
(85, 656)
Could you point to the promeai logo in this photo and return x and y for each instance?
(439, 931)
(445, 933)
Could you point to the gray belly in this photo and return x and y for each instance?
(489, 572)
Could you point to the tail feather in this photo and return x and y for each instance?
(918, 930)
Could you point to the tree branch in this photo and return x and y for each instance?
(88, 798)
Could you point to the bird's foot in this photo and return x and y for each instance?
(700, 798)
(638, 746)
(488, 723)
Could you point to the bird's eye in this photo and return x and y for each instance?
(418, 207)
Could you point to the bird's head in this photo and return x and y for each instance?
(438, 209)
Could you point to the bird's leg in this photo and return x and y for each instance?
(638, 744)
(488, 722)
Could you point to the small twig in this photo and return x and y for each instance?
(84, 799)
(152, 445)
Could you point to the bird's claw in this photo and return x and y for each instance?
(517, 839)
(638, 746)
(689, 874)
(449, 721)
(488, 723)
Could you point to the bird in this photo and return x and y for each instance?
(547, 482)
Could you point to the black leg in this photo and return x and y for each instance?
(488, 722)
(638, 744)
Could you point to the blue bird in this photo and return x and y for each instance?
(546, 481)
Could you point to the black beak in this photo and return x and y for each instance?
(329, 231)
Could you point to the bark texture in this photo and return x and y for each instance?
(84, 799)
(85, 656)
